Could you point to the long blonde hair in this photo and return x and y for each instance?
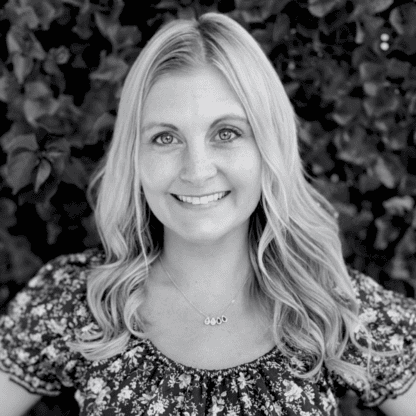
(301, 280)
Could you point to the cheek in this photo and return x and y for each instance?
(247, 168)
(154, 172)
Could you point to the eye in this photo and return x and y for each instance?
(228, 134)
(166, 139)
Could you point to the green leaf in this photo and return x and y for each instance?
(105, 122)
(75, 173)
(111, 69)
(19, 170)
(346, 109)
(397, 68)
(368, 182)
(22, 66)
(12, 41)
(386, 233)
(321, 8)
(355, 146)
(373, 72)
(57, 152)
(399, 205)
(377, 6)
(37, 89)
(34, 109)
(9, 88)
(396, 139)
(108, 27)
(408, 184)
(384, 174)
(23, 16)
(403, 18)
(7, 212)
(386, 101)
(23, 142)
(46, 13)
(42, 174)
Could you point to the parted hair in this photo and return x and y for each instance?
(301, 281)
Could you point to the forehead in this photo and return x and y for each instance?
(202, 92)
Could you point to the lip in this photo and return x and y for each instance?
(200, 196)
(211, 204)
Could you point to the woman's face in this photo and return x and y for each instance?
(196, 142)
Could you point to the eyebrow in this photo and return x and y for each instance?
(234, 117)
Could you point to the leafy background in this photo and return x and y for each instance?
(346, 64)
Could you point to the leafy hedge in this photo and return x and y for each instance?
(345, 64)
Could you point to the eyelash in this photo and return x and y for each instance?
(232, 130)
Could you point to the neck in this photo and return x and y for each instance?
(210, 274)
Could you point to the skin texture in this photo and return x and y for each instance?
(404, 405)
(209, 147)
(14, 399)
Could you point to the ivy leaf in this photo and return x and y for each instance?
(346, 110)
(9, 88)
(111, 69)
(22, 66)
(384, 174)
(102, 126)
(21, 15)
(386, 232)
(397, 139)
(376, 6)
(46, 13)
(19, 170)
(75, 173)
(108, 27)
(82, 27)
(408, 184)
(22, 41)
(34, 109)
(370, 71)
(403, 18)
(397, 68)
(355, 146)
(399, 205)
(21, 143)
(57, 153)
(368, 182)
(37, 89)
(7, 212)
(321, 8)
(386, 101)
(43, 172)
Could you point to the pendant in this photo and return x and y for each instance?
(215, 321)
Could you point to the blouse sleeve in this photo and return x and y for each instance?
(391, 322)
(38, 324)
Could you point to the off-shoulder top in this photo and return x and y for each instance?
(141, 380)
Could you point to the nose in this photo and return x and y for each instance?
(198, 165)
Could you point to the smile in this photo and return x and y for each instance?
(202, 200)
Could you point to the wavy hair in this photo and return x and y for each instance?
(301, 280)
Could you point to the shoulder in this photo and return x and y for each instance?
(389, 319)
(379, 305)
(67, 268)
(59, 287)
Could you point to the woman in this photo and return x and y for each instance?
(221, 288)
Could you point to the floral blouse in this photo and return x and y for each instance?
(141, 380)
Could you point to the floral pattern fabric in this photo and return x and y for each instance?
(141, 380)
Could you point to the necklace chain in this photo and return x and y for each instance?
(208, 321)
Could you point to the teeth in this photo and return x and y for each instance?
(203, 200)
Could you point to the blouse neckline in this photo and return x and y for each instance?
(174, 365)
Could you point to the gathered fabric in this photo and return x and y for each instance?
(52, 310)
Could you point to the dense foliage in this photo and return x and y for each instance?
(346, 64)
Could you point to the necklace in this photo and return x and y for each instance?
(208, 320)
